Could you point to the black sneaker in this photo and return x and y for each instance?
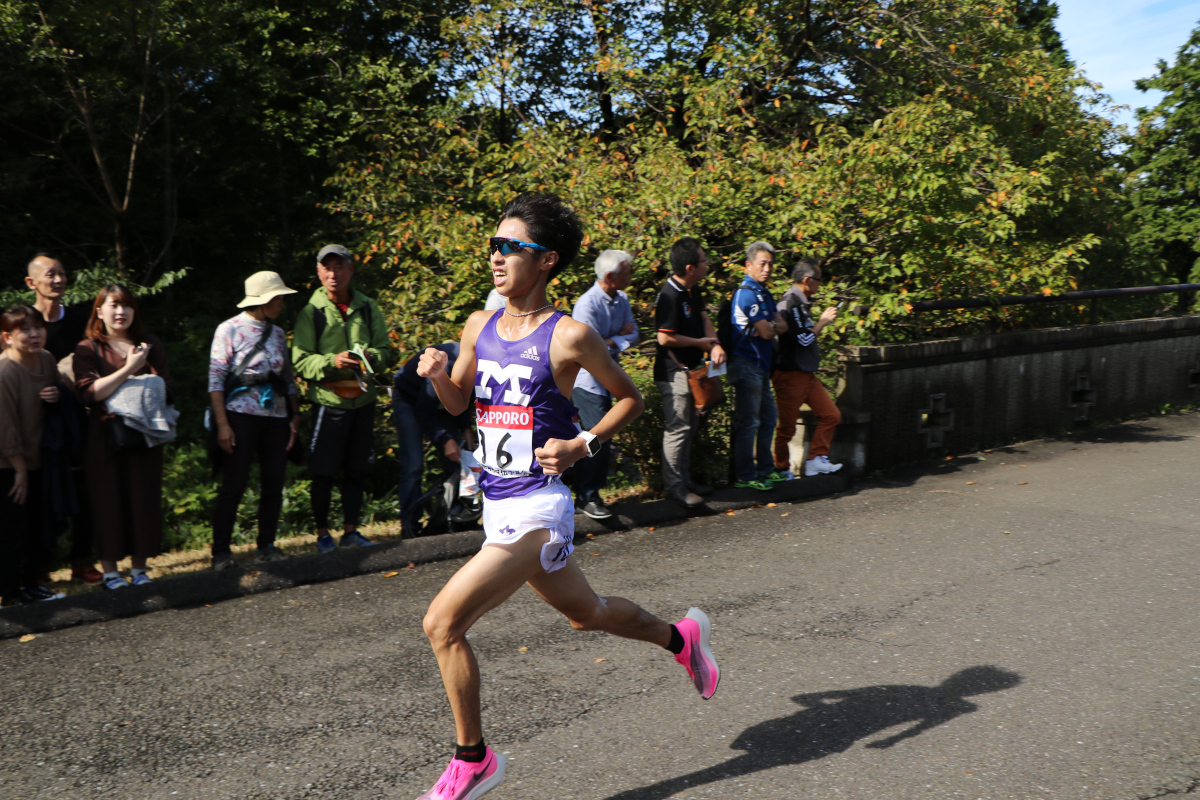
(596, 510)
(37, 594)
(269, 554)
(699, 488)
(222, 562)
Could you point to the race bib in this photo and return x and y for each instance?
(505, 440)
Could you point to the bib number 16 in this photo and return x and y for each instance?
(505, 438)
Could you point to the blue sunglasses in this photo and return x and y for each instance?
(507, 247)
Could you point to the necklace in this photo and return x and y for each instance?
(528, 313)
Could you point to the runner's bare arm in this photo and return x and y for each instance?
(455, 390)
(577, 345)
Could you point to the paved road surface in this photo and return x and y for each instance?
(1023, 626)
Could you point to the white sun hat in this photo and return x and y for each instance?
(261, 287)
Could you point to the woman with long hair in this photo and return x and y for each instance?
(124, 483)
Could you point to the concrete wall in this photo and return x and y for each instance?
(908, 402)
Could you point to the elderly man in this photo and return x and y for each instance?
(605, 309)
(795, 378)
(338, 328)
(755, 323)
(65, 325)
(684, 333)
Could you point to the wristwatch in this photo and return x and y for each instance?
(593, 442)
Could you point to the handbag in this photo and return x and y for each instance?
(118, 435)
(122, 437)
(707, 392)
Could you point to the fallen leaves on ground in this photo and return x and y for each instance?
(1023, 483)
(29, 637)
(598, 660)
(970, 483)
(390, 574)
(786, 513)
(772, 505)
(731, 513)
(522, 649)
(593, 536)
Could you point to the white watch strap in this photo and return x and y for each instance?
(592, 442)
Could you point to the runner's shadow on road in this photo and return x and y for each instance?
(831, 722)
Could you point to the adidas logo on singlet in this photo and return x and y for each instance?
(531, 354)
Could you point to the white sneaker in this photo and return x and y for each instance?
(820, 466)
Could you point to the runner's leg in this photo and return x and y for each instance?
(483, 583)
(568, 591)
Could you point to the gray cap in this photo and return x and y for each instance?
(333, 250)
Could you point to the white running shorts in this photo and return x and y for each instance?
(550, 507)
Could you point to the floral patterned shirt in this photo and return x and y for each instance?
(233, 341)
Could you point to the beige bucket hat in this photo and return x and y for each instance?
(261, 287)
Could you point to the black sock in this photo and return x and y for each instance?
(472, 754)
(676, 643)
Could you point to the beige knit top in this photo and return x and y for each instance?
(21, 410)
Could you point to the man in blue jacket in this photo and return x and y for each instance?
(755, 323)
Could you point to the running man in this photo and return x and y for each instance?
(521, 364)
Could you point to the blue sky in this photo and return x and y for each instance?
(1119, 41)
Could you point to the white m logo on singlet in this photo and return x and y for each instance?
(491, 370)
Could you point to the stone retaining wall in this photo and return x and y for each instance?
(908, 402)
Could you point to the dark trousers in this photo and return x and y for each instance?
(83, 549)
(22, 534)
(265, 438)
(342, 439)
(590, 474)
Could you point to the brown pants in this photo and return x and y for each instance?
(792, 390)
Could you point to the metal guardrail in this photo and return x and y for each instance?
(1030, 299)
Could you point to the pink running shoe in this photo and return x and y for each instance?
(464, 780)
(697, 657)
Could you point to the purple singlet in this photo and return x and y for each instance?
(517, 407)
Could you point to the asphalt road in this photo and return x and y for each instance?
(1022, 626)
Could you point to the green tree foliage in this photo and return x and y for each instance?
(1163, 172)
(927, 150)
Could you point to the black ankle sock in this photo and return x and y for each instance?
(676, 643)
(472, 754)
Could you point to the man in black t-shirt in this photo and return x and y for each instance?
(47, 277)
(685, 334)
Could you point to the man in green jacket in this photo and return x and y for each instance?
(339, 329)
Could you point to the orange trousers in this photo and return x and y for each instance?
(792, 390)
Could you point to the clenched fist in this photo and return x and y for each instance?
(559, 454)
(432, 362)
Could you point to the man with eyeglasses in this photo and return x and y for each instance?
(795, 377)
(521, 363)
(684, 333)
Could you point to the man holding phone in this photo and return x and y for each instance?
(340, 337)
(795, 377)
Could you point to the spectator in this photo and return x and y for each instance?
(65, 326)
(495, 301)
(256, 413)
(124, 484)
(605, 308)
(28, 375)
(795, 377)
(755, 323)
(684, 334)
(417, 412)
(335, 332)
